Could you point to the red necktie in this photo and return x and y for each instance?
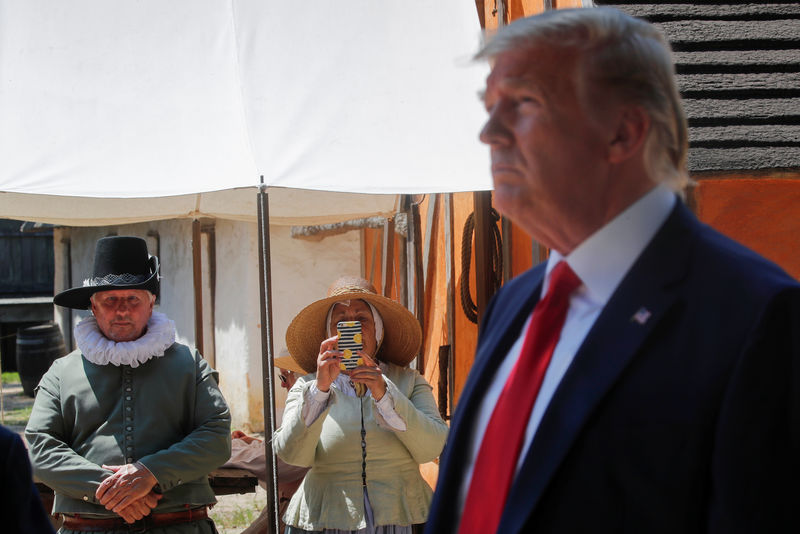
(502, 442)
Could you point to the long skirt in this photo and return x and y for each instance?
(371, 528)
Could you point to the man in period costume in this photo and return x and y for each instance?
(126, 428)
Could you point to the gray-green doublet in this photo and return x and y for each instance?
(167, 413)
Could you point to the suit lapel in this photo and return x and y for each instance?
(510, 310)
(634, 310)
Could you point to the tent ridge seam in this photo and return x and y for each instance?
(242, 111)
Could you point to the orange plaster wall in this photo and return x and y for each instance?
(521, 251)
(761, 213)
(563, 4)
(372, 242)
(523, 8)
(515, 9)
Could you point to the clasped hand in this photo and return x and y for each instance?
(328, 369)
(128, 492)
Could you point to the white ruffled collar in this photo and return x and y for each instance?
(98, 349)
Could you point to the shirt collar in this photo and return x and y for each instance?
(604, 258)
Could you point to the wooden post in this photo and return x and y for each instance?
(388, 257)
(507, 248)
(402, 255)
(443, 385)
(429, 241)
(415, 236)
(450, 274)
(483, 220)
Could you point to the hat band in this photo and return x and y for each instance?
(350, 289)
(115, 280)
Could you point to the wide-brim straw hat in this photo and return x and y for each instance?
(288, 363)
(402, 335)
(120, 262)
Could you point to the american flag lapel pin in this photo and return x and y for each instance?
(641, 316)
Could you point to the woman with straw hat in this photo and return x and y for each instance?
(363, 432)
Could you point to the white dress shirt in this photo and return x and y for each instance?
(601, 262)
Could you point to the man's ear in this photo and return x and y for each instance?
(633, 126)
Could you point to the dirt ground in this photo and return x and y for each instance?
(232, 513)
(15, 407)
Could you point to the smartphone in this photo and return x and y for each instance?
(348, 334)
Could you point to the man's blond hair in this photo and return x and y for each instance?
(622, 58)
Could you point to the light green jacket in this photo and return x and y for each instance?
(167, 413)
(331, 495)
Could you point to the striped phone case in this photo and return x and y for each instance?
(349, 342)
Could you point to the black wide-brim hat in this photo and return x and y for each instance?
(120, 262)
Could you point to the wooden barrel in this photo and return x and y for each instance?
(37, 348)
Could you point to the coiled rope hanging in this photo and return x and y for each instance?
(496, 270)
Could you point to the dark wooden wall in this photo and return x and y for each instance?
(26, 261)
(738, 68)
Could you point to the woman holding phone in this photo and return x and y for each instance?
(362, 430)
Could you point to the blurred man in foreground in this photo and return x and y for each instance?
(19, 499)
(645, 377)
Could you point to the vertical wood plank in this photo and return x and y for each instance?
(450, 279)
(483, 261)
(388, 257)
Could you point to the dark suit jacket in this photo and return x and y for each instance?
(21, 508)
(686, 423)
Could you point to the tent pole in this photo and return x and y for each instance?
(450, 275)
(208, 229)
(267, 356)
(197, 277)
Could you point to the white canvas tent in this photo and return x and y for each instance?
(141, 110)
(185, 99)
